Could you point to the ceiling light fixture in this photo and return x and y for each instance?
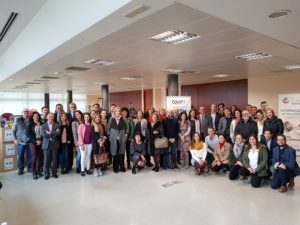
(253, 56)
(279, 13)
(100, 62)
(222, 75)
(131, 78)
(174, 37)
(172, 71)
(292, 67)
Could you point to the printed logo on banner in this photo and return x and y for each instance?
(8, 164)
(10, 149)
(183, 103)
(8, 135)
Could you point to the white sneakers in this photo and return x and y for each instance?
(98, 172)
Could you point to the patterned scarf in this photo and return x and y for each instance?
(237, 149)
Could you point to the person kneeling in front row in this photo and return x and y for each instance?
(199, 152)
(285, 165)
(221, 155)
(255, 161)
(137, 152)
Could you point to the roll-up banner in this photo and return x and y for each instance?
(289, 112)
(183, 103)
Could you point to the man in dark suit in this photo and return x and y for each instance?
(71, 118)
(214, 117)
(268, 140)
(204, 122)
(59, 109)
(50, 132)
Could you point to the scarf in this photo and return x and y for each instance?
(198, 146)
(222, 145)
(237, 149)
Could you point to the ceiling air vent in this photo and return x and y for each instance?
(137, 11)
(76, 68)
(8, 24)
(32, 83)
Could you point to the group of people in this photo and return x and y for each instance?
(247, 144)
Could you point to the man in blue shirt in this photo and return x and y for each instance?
(285, 165)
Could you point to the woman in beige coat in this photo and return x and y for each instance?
(221, 155)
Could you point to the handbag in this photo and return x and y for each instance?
(101, 159)
(161, 143)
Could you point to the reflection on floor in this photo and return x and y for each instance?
(142, 199)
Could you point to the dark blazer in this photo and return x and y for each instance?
(95, 138)
(69, 133)
(53, 136)
(171, 128)
(272, 146)
(217, 119)
(30, 133)
(157, 127)
(71, 118)
(205, 124)
(288, 158)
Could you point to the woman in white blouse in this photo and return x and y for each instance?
(198, 151)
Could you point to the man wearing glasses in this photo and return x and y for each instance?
(285, 165)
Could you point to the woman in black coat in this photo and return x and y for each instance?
(33, 134)
(156, 130)
(273, 123)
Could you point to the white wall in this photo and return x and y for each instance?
(269, 87)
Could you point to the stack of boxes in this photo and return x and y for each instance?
(8, 151)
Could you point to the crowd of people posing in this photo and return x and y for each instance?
(248, 144)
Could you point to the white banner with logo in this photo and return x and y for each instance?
(289, 112)
(183, 103)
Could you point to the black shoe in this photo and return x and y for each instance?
(123, 169)
(41, 174)
(82, 173)
(176, 167)
(88, 172)
(149, 164)
(129, 167)
(55, 176)
(78, 170)
(20, 172)
(133, 170)
(116, 171)
(29, 170)
(47, 177)
(156, 169)
(35, 176)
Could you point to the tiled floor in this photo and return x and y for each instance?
(140, 199)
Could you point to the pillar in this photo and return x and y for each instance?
(69, 99)
(105, 96)
(173, 85)
(47, 100)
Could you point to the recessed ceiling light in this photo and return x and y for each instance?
(131, 78)
(222, 75)
(172, 71)
(292, 67)
(253, 56)
(100, 62)
(98, 83)
(11, 79)
(174, 37)
(279, 13)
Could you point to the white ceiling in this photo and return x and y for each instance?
(213, 53)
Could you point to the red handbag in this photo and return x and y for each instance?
(101, 159)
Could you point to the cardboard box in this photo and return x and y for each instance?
(8, 149)
(6, 135)
(8, 164)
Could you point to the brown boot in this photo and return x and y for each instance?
(196, 171)
(291, 183)
(242, 178)
(283, 189)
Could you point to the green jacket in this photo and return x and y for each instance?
(262, 160)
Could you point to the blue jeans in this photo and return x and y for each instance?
(64, 157)
(22, 149)
(78, 157)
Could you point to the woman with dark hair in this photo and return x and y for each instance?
(237, 117)
(66, 138)
(195, 125)
(221, 155)
(184, 139)
(233, 108)
(34, 137)
(75, 124)
(156, 130)
(125, 115)
(137, 152)
(260, 118)
(273, 123)
(199, 152)
(255, 161)
(85, 144)
(98, 142)
(235, 156)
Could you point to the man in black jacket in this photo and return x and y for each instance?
(214, 117)
(246, 126)
(171, 131)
